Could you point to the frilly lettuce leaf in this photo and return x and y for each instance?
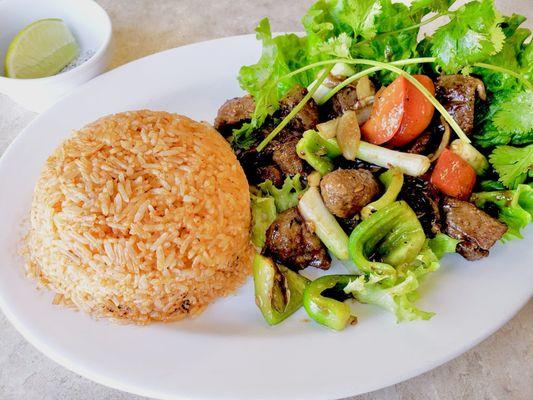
(285, 197)
(442, 244)
(263, 80)
(400, 297)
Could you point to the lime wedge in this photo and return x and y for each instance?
(41, 49)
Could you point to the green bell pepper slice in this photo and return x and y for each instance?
(317, 151)
(327, 311)
(394, 233)
(392, 179)
(278, 290)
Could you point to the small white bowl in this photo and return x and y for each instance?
(89, 24)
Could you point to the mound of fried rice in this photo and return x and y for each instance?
(141, 216)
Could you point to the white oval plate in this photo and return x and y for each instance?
(229, 352)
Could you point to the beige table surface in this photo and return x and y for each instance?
(500, 368)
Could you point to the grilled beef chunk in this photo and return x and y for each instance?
(420, 145)
(269, 172)
(286, 158)
(259, 167)
(342, 101)
(290, 242)
(477, 230)
(345, 100)
(347, 191)
(307, 117)
(457, 93)
(471, 251)
(233, 113)
(424, 199)
(277, 161)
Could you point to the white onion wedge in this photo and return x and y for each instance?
(328, 130)
(471, 155)
(410, 164)
(348, 135)
(326, 227)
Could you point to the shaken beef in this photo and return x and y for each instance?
(290, 242)
(259, 167)
(271, 173)
(307, 118)
(424, 199)
(477, 230)
(457, 93)
(420, 145)
(344, 100)
(277, 161)
(286, 158)
(428, 142)
(471, 251)
(234, 113)
(347, 191)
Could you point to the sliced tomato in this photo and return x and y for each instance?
(418, 112)
(387, 113)
(453, 175)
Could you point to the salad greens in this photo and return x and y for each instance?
(472, 35)
(442, 244)
(287, 196)
(475, 40)
(381, 38)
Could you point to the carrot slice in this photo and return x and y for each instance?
(453, 176)
(387, 113)
(418, 112)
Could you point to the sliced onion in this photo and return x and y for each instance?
(328, 130)
(349, 135)
(444, 141)
(363, 114)
(367, 101)
(364, 88)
